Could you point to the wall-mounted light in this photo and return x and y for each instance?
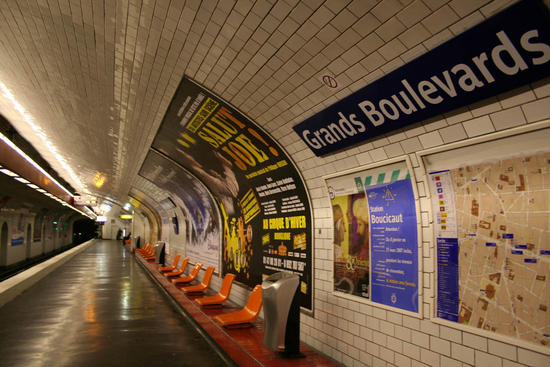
(99, 180)
(8, 172)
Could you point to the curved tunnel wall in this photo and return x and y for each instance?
(202, 234)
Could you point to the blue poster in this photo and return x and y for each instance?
(394, 244)
(447, 278)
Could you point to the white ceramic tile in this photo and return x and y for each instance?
(537, 110)
(485, 359)
(440, 346)
(462, 353)
(478, 126)
(531, 358)
(453, 133)
(413, 13)
(429, 357)
(509, 118)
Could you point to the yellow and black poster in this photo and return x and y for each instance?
(262, 199)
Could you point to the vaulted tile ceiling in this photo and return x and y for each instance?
(87, 82)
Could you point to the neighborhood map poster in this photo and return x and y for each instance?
(492, 231)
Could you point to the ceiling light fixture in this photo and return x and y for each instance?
(29, 159)
(99, 180)
(42, 135)
(8, 172)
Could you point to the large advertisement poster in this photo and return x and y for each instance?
(204, 238)
(492, 229)
(264, 204)
(375, 236)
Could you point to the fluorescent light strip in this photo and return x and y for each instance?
(42, 135)
(35, 165)
(23, 180)
(8, 172)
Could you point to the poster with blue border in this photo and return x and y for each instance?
(394, 244)
(447, 278)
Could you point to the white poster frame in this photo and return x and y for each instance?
(507, 143)
(368, 301)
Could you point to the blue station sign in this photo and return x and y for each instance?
(506, 51)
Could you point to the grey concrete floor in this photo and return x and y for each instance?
(98, 309)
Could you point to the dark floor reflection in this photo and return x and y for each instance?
(99, 309)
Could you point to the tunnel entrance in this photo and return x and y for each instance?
(84, 230)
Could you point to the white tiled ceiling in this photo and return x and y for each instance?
(96, 76)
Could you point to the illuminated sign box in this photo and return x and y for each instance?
(101, 219)
(126, 216)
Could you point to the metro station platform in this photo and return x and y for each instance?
(108, 307)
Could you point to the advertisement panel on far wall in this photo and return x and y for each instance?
(203, 243)
(263, 201)
(376, 235)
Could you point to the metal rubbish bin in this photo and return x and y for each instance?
(159, 253)
(281, 302)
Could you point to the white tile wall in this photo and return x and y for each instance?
(267, 58)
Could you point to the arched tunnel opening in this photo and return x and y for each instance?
(84, 230)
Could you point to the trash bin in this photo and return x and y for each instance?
(159, 253)
(281, 302)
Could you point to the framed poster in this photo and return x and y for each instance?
(491, 217)
(376, 235)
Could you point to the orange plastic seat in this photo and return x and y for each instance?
(171, 267)
(199, 288)
(178, 272)
(221, 297)
(145, 249)
(189, 278)
(245, 316)
(150, 256)
(149, 253)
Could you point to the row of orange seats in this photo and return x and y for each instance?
(241, 318)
